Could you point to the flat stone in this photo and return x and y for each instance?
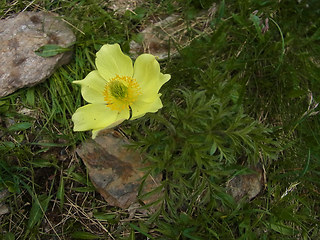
(116, 171)
(156, 37)
(4, 209)
(164, 35)
(247, 186)
(20, 37)
(121, 6)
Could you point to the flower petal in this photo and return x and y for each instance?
(164, 78)
(97, 116)
(111, 61)
(95, 132)
(140, 108)
(120, 118)
(92, 87)
(148, 76)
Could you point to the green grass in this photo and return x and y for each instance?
(236, 97)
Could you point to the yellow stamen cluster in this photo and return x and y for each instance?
(120, 92)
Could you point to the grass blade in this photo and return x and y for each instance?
(39, 207)
(51, 50)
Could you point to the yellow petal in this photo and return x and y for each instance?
(140, 108)
(164, 78)
(96, 116)
(95, 132)
(121, 117)
(92, 87)
(111, 61)
(147, 74)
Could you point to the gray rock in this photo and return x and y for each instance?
(164, 35)
(121, 6)
(4, 209)
(156, 38)
(20, 37)
(247, 186)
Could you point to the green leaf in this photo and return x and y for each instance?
(132, 235)
(42, 163)
(140, 230)
(4, 106)
(2, 103)
(316, 36)
(48, 144)
(30, 96)
(12, 187)
(138, 38)
(39, 207)
(79, 178)
(83, 189)
(283, 229)
(9, 236)
(213, 148)
(221, 11)
(139, 13)
(151, 193)
(19, 126)
(7, 145)
(105, 216)
(256, 22)
(187, 233)
(50, 50)
(84, 235)
(60, 192)
(296, 93)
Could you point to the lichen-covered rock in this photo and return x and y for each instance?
(156, 38)
(121, 6)
(116, 171)
(163, 35)
(20, 37)
(247, 186)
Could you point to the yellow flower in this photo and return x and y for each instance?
(116, 88)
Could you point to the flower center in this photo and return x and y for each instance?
(120, 92)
